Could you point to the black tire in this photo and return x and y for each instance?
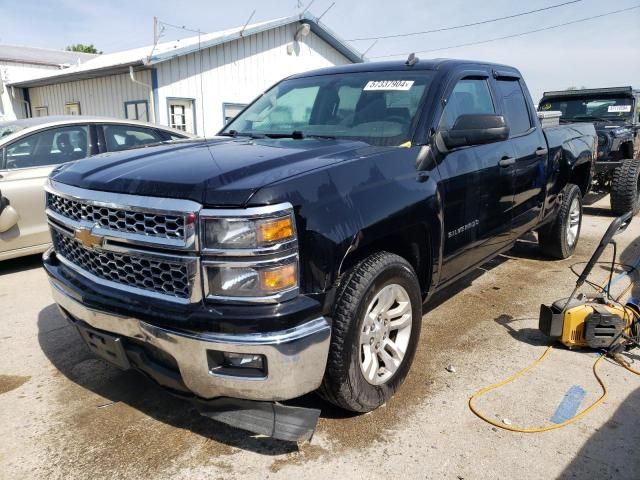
(344, 383)
(553, 238)
(625, 187)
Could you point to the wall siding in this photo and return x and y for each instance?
(104, 96)
(11, 104)
(238, 71)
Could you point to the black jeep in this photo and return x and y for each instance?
(616, 115)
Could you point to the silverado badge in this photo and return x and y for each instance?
(87, 239)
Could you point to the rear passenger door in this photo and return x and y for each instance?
(530, 148)
(477, 191)
(123, 137)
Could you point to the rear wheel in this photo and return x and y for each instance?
(560, 238)
(376, 327)
(625, 187)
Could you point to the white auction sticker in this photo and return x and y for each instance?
(389, 85)
(619, 108)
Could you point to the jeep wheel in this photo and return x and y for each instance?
(376, 327)
(559, 238)
(625, 187)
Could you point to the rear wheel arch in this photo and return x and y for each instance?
(581, 176)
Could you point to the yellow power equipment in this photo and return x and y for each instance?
(597, 321)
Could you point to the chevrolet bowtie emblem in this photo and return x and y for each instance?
(87, 239)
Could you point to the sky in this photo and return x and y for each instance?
(596, 53)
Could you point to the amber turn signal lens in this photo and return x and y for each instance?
(274, 230)
(280, 278)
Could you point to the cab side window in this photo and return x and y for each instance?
(469, 96)
(516, 112)
(50, 147)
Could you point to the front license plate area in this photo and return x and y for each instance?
(105, 346)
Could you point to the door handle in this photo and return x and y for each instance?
(506, 161)
(540, 151)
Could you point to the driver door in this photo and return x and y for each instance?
(24, 167)
(476, 186)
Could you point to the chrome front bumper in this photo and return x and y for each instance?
(296, 358)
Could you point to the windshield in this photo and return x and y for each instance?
(7, 128)
(375, 107)
(591, 108)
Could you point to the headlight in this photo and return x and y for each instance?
(260, 280)
(602, 140)
(269, 232)
(250, 254)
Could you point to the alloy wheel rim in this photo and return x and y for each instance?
(573, 225)
(385, 334)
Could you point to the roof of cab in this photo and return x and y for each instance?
(395, 65)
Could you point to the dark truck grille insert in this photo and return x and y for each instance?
(160, 276)
(119, 220)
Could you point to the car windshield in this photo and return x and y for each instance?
(7, 128)
(375, 107)
(591, 108)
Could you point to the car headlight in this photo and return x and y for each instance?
(269, 280)
(602, 140)
(250, 234)
(250, 254)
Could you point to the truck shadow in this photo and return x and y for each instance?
(61, 344)
(611, 452)
(597, 211)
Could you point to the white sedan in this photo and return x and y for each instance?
(31, 148)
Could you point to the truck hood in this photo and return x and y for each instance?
(216, 172)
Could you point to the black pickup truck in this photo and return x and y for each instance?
(615, 111)
(293, 252)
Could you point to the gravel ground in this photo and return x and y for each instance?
(66, 414)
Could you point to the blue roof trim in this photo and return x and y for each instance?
(316, 27)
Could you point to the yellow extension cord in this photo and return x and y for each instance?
(555, 426)
(547, 427)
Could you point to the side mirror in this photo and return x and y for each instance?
(8, 215)
(8, 218)
(475, 129)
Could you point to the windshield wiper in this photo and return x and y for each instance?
(235, 133)
(299, 135)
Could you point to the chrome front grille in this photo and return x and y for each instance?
(143, 245)
(119, 220)
(161, 276)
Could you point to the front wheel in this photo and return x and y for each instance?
(625, 188)
(376, 327)
(560, 238)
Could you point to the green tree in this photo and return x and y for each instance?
(79, 47)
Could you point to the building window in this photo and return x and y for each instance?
(181, 114)
(137, 110)
(231, 110)
(40, 111)
(72, 108)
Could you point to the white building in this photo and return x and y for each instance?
(195, 84)
(22, 63)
